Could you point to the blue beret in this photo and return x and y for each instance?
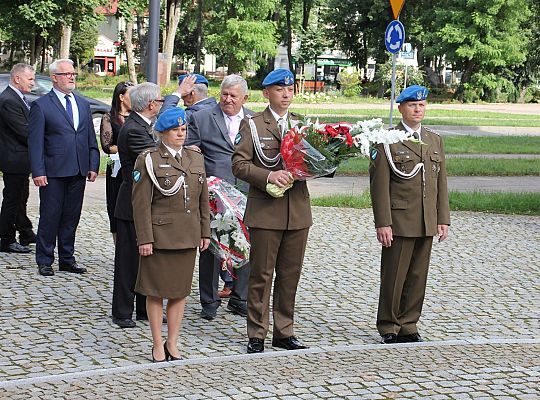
(280, 77)
(171, 118)
(413, 93)
(200, 78)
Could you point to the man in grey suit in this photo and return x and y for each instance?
(213, 130)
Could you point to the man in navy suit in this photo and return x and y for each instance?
(213, 130)
(14, 110)
(63, 152)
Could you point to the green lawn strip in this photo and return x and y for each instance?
(462, 167)
(500, 203)
(492, 144)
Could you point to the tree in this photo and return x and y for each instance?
(239, 33)
(482, 39)
(128, 9)
(172, 17)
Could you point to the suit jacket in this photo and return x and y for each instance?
(13, 133)
(171, 222)
(134, 137)
(172, 101)
(55, 148)
(404, 204)
(290, 212)
(207, 130)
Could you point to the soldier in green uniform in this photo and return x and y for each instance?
(410, 205)
(278, 226)
(171, 214)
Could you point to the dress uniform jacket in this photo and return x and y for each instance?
(171, 222)
(411, 209)
(290, 212)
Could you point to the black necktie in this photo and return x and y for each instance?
(69, 109)
(178, 158)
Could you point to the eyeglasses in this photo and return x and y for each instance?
(159, 100)
(68, 74)
(128, 84)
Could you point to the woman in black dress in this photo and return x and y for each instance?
(110, 126)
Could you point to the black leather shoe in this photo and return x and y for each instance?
(208, 314)
(15, 248)
(239, 308)
(168, 355)
(27, 238)
(73, 268)
(412, 338)
(45, 270)
(389, 338)
(124, 322)
(255, 345)
(290, 343)
(154, 360)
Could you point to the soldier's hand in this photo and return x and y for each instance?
(442, 231)
(146, 249)
(280, 178)
(384, 236)
(205, 242)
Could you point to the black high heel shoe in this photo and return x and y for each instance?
(168, 355)
(156, 361)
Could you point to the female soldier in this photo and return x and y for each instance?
(171, 215)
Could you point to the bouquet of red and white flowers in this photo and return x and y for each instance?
(310, 150)
(229, 235)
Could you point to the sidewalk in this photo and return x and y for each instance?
(480, 324)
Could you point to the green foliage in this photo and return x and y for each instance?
(350, 83)
(83, 40)
(384, 76)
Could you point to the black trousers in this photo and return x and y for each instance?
(13, 213)
(126, 268)
(60, 205)
(209, 271)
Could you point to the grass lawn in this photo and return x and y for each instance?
(462, 167)
(502, 203)
(492, 144)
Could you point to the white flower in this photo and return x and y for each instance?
(367, 133)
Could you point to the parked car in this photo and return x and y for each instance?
(44, 86)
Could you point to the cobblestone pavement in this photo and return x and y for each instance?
(480, 321)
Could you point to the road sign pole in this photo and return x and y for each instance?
(393, 94)
(405, 79)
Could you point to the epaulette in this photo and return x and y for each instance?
(193, 148)
(149, 150)
(430, 130)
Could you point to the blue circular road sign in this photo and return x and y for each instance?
(394, 37)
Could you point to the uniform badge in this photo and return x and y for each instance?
(237, 138)
(136, 176)
(373, 154)
(201, 179)
(167, 182)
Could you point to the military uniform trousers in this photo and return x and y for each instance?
(404, 271)
(282, 250)
(126, 266)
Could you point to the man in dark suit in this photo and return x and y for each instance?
(193, 92)
(410, 204)
(278, 227)
(213, 130)
(14, 111)
(63, 152)
(134, 137)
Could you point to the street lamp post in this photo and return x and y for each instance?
(153, 42)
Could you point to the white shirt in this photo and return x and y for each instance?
(411, 130)
(16, 90)
(172, 151)
(148, 121)
(62, 97)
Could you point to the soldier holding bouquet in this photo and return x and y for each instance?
(278, 226)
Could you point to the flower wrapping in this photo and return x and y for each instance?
(229, 235)
(310, 150)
